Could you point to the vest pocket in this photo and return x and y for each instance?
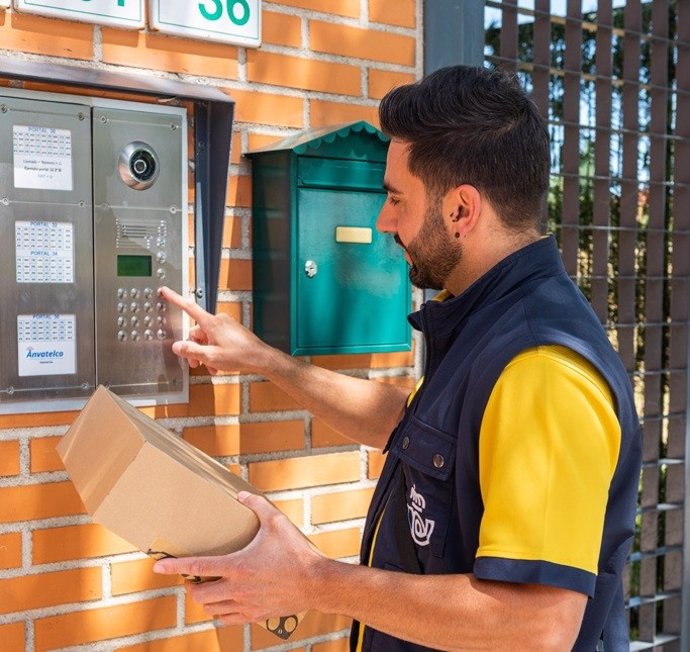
(428, 459)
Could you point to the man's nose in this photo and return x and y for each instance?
(385, 222)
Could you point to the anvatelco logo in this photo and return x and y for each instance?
(43, 355)
(421, 528)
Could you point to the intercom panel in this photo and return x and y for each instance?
(92, 223)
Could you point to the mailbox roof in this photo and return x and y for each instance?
(329, 141)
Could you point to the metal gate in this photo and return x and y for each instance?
(613, 80)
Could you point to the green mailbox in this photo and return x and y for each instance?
(325, 281)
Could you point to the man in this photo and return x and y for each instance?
(505, 509)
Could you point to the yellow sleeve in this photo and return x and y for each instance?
(548, 447)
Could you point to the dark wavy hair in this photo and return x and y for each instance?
(475, 126)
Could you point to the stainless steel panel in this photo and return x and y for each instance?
(139, 224)
(46, 268)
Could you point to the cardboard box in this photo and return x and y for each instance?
(155, 490)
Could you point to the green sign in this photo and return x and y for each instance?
(228, 21)
(117, 13)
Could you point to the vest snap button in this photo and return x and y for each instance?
(438, 461)
(405, 443)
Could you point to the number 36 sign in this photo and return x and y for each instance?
(228, 21)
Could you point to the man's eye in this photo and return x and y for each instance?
(393, 201)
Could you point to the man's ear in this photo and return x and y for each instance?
(461, 209)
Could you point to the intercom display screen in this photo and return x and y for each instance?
(134, 265)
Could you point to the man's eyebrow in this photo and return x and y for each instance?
(388, 187)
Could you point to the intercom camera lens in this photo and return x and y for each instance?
(142, 165)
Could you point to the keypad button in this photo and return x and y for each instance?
(121, 336)
(134, 306)
(160, 333)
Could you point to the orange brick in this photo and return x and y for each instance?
(340, 506)
(136, 575)
(36, 420)
(101, 624)
(206, 400)
(229, 638)
(281, 29)
(339, 543)
(232, 233)
(302, 472)
(26, 503)
(194, 612)
(323, 435)
(266, 397)
(349, 8)
(57, 38)
(12, 637)
(324, 113)
(247, 438)
(382, 81)
(338, 645)
(239, 192)
(211, 640)
(235, 274)
(9, 457)
(235, 148)
(359, 43)
(198, 642)
(314, 624)
(44, 457)
(76, 542)
(402, 13)
(375, 460)
(293, 509)
(295, 72)
(397, 359)
(258, 140)
(339, 362)
(268, 108)
(171, 54)
(231, 308)
(48, 589)
(10, 551)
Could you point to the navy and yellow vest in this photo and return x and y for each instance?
(527, 300)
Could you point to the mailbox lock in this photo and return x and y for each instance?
(311, 268)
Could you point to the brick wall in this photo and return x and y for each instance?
(66, 583)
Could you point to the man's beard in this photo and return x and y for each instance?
(434, 256)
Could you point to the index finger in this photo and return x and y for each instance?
(195, 311)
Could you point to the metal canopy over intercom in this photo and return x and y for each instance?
(93, 219)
